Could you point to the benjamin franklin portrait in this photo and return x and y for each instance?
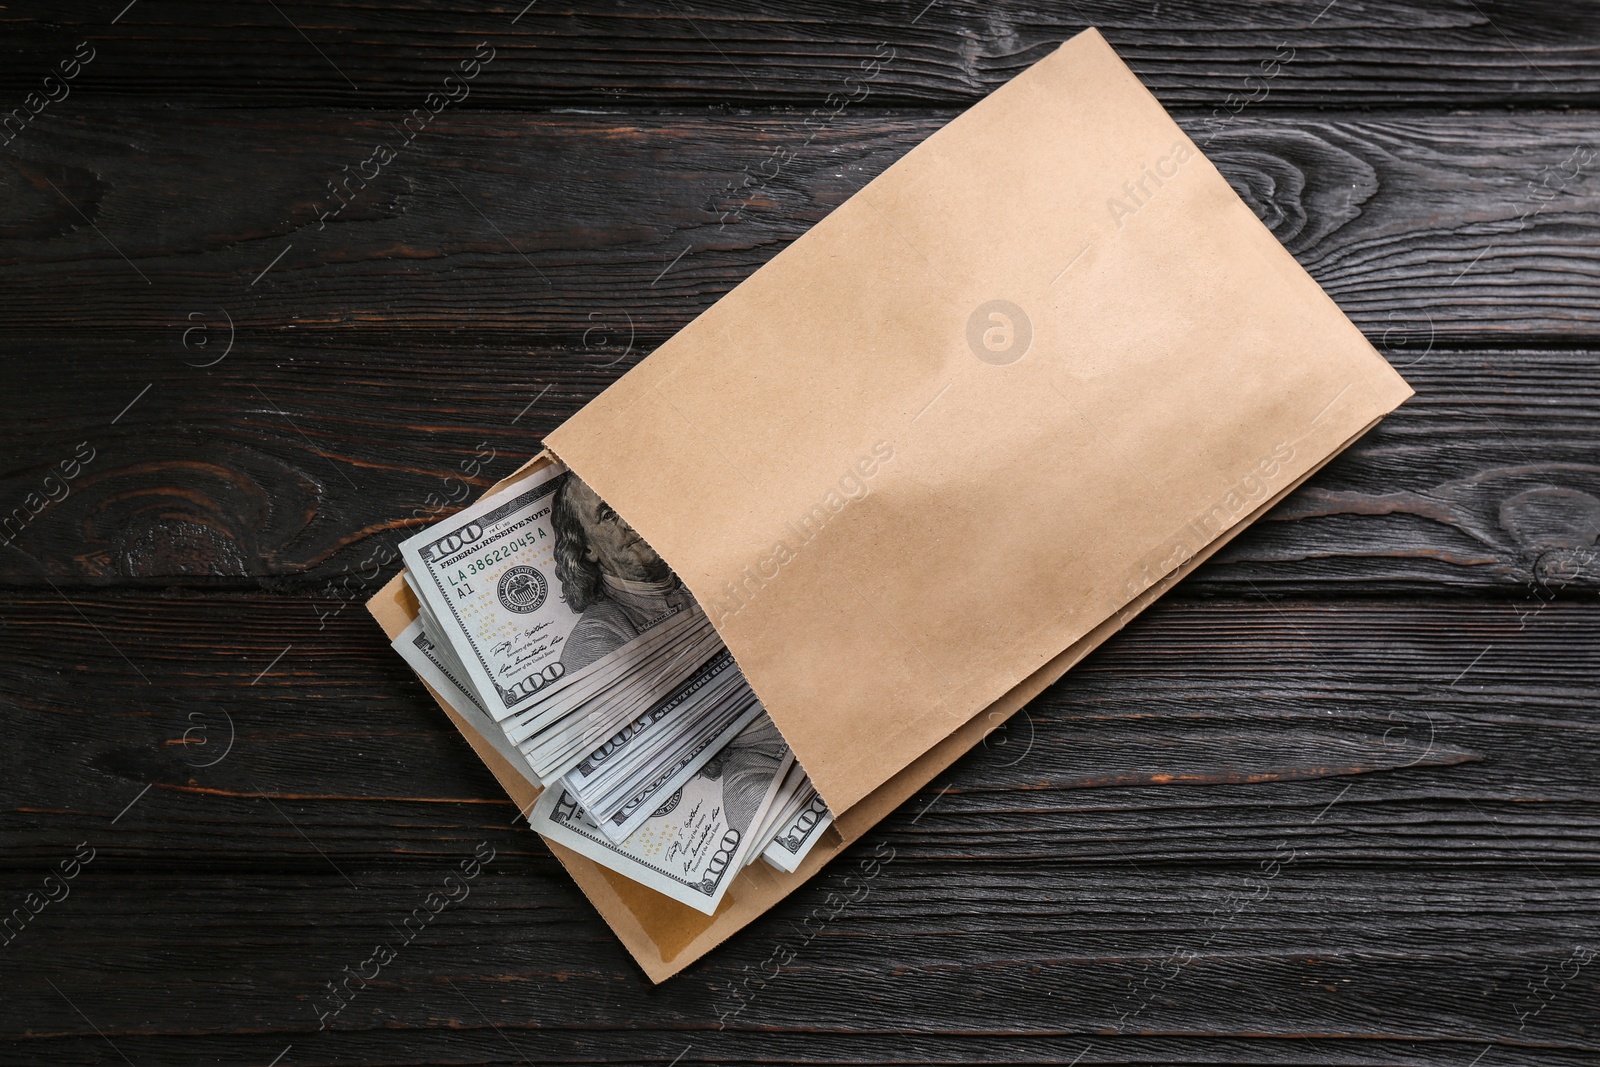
(747, 765)
(617, 583)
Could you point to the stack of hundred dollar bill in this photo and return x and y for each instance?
(562, 637)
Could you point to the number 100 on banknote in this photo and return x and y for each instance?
(542, 589)
(488, 577)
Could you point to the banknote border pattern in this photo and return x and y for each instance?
(707, 885)
(421, 639)
(516, 503)
(793, 843)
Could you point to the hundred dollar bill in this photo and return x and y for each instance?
(790, 794)
(620, 783)
(536, 584)
(648, 738)
(802, 832)
(660, 647)
(429, 623)
(436, 666)
(695, 842)
(653, 676)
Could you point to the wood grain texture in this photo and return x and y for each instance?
(1229, 718)
(1333, 801)
(945, 52)
(1002, 964)
(294, 452)
(303, 459)
(571, 226)
(1361, 820)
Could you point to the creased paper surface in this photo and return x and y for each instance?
(1020, 377)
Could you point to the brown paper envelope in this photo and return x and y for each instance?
(899, 499)
(962, 515)
(665, 936)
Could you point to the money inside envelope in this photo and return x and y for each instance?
(570, 645)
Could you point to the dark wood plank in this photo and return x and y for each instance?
(916, 964)
(943, 53)
(305, 459)
(1466, 229)
(1330, 806)
(559, 225)
(287, 454)
(1204, 732)
(1332, 802)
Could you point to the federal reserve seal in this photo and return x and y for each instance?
(522, 589)
(668, 805)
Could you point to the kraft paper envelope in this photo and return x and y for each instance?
(951, 439)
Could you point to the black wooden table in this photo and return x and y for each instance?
(1332, 801)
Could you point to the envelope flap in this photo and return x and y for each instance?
(1030, 369)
